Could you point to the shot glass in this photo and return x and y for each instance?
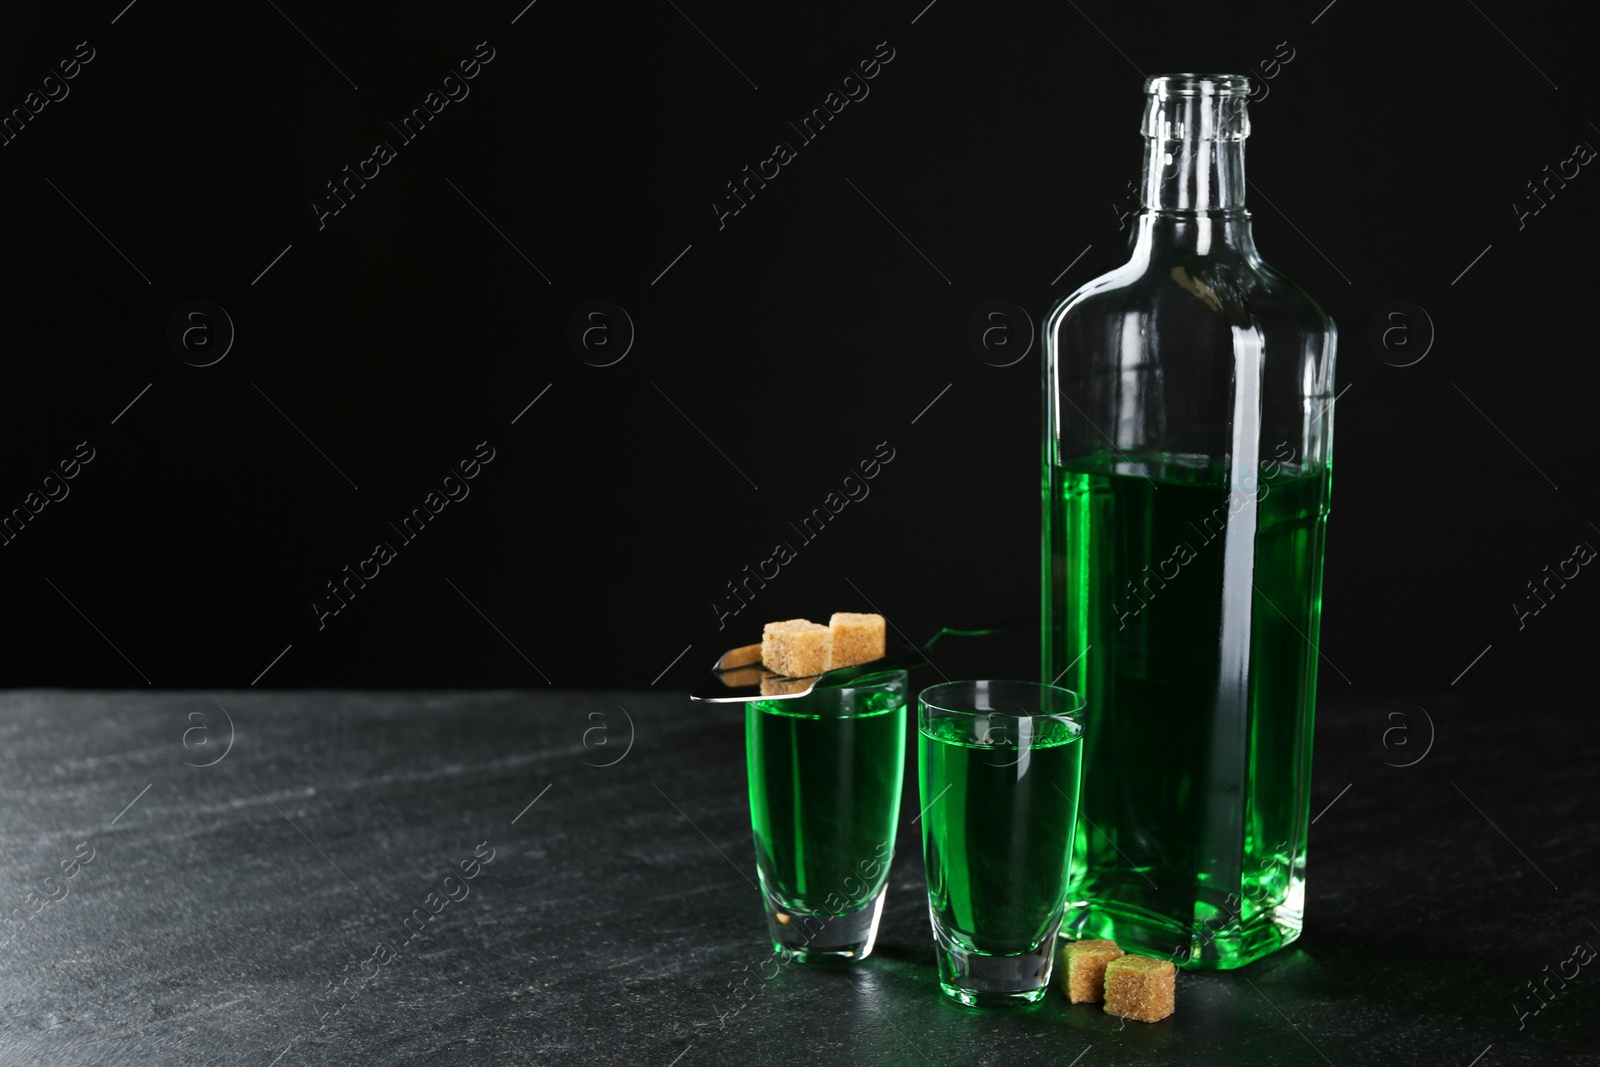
(825, 776)
(999, 765)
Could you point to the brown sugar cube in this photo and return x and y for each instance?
(742, 656)
(857, 637)
(796, 648)
(1083, 969)
(769, 636)
(1138, 987)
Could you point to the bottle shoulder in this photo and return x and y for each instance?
(1233, 287)
(1280, 290)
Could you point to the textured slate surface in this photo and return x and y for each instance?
(232, 914)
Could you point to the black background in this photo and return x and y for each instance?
(797, 337)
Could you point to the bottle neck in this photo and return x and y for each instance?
(1219, 235)
(1193, 176)
(1194, 182)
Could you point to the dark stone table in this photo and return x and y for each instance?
(460, 878)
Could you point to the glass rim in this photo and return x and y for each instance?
(875, 680)
(946, 707)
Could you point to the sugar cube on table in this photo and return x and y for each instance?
(796, 648)
(858, 637)
(1138, 987)
(1083, 969)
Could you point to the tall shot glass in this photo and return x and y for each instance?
(999, 766)
(825, 775)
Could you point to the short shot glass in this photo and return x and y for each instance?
(825, 776)
(999, 764)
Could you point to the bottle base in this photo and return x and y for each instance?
(1224, 948)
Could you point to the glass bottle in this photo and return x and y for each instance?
(1186, 476)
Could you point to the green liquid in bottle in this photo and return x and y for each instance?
(991, 835)
(824, 799)
(1199, 689)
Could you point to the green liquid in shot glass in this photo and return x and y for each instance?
(993, 842)
(825, 798)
